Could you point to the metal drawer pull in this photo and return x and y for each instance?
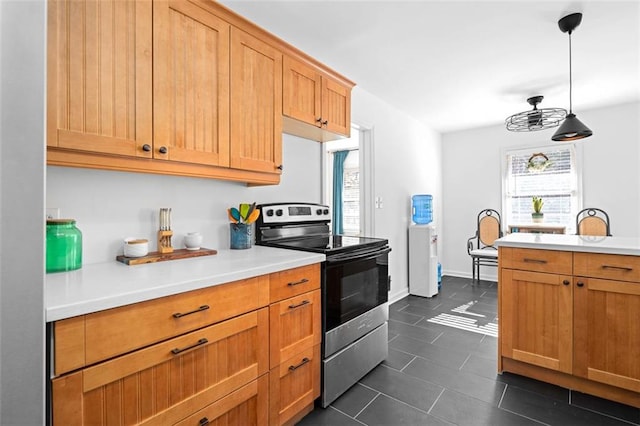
(534, 260)
(200, 309)
(295, 367)
(304, 302)
(201, 342)
(203, 421)
(302, 281)
(619, 268)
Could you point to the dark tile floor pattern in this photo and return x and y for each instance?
(439, 375)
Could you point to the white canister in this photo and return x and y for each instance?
(136, 247)
(193, 240)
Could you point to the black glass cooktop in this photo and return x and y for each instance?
(330, 244)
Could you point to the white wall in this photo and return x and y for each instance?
(22, 106)
(109, 206)
(471, 166)
(407, 161)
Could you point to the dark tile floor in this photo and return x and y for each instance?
(437, 374)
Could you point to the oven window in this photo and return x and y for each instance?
(353, 288)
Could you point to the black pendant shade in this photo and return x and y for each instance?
(571, 129)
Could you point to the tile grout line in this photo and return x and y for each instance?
(353, 418)
(434, 402)
(398, 400)
(402, 369)
(368, 404)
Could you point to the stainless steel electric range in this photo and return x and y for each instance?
(355, 286)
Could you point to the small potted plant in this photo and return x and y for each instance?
(537, 216)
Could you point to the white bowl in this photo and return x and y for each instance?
(136, 247)
(193, 241)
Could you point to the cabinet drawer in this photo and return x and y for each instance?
(551, 261)
(292, 282)
(248, 406)
(120, 330)
(165, 382)
(607, 266)
(295, 384)
(295, 325)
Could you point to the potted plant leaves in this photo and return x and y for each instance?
(537, 216)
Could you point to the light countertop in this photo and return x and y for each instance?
(581, 243)
(108, 285)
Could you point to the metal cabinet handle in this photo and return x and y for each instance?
(302, 281)
(580, 284)
(200, 309)
(200, 342)
(619, 268)
(163, 150)
(304, 302)
(319, 120)
(565, 282)
(295, 367)
(203, 421)
(534, 260)
(146, 147)
(325, 122)
(280, 167)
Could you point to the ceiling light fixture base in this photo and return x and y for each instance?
(570, 22)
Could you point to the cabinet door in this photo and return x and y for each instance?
(536, 315)
(256, 104)
(294, 326)
(607, 332)
(99, 76)
(166, 382)
(301, 92)
(191, 84)
(336, 107)
(295, 384)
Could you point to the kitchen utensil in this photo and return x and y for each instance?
(253, 216)
(251, 209)
(244, 211)
(231, 217)
(235, 214)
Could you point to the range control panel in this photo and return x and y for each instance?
(293, 213)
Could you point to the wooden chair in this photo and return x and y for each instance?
(481, 246)
(593, 221)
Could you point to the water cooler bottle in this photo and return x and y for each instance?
(423, 249)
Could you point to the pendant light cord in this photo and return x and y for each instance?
(570, 79)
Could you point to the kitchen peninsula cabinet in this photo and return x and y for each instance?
(181, 87)
(568, 312)
(189, 357)
(315, 105)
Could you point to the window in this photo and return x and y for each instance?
(550, 172)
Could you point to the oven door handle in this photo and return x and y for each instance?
(357, 256)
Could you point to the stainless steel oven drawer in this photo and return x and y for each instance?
(345, 368)
(352, 330)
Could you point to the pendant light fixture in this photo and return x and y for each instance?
(535, 119)
(572, 128)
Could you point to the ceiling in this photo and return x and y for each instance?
(463, 64)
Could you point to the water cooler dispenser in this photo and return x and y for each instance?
(423, 249)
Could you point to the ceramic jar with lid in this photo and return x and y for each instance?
(64, 245)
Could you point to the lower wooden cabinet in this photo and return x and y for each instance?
(295, 384)
(164, 383)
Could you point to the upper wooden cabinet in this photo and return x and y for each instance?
(99, 76)
(256, 104)
(190, 84)
(319, 104)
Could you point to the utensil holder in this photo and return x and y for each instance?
(240, 234)
(164, 242)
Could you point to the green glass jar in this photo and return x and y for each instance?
(64, 245)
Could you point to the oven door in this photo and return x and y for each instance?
(355, 283)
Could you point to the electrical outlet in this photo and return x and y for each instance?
(53, 213)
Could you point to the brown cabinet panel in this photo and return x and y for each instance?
(301, 96)
(168, 381)
(191, 84)
(551, 261)
(607, 332)
(336, 107)
(295, 324)
(100, 76)
(108, 333)
(607, 266)
(536, 318)
(256, 104)
(293, 282)
(295, 384)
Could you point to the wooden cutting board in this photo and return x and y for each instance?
(155, 256)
